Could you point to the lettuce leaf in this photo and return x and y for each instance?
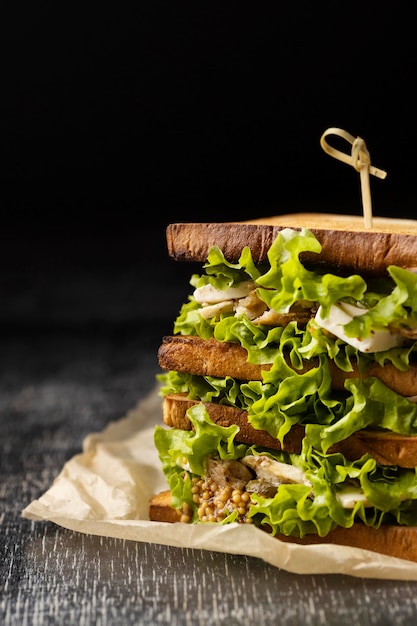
(398, 306)
(371, 404)
(222, 274)
(288, 281)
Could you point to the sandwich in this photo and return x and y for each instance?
(289, 382)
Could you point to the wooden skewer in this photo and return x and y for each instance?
(359, 158)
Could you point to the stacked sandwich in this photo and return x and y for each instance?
(290, 381)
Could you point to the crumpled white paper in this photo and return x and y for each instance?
(105, 490)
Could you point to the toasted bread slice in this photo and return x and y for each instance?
(346, 245)
(396, 541)
(175, 409)
(209, 357)
(160, 509)
(385, 447)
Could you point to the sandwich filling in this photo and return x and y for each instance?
(286, 315)
(213, 478)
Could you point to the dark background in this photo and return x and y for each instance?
(119, 119)
(116, 119)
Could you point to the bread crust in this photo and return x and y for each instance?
(385, 447)
(347, 247)
(396, 541)
(209, 357)
(160, 509)
(175, 407)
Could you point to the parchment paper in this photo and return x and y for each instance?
(105, 490)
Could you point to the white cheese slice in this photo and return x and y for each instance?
(215, 310)
(210, 295)
(341, 314)
(349, 497)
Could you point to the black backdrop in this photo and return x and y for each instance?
(121, 118)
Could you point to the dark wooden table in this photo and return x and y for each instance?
(60, 381)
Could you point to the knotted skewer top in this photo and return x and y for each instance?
(358, 158)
